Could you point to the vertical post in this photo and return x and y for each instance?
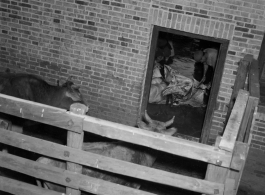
(220, 174)
(241, 76)
(75, 140)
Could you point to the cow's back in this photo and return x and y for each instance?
(34, 88)
(19, 85)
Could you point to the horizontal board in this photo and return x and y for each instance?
(64, 177)
(41, 113)
(21, 188)
(169, 144)
(232, 128)
(105, 163)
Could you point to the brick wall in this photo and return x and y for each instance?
(105, 44)
(258, 131)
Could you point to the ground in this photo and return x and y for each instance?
(188, 119)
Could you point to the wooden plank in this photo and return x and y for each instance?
(20, 188)
(239, 175)
(239, 155)
(218, 73)
(248, 114)
(157, 141)
(251, 121)
(64, 177)
(253, 80)
(104, 163)
(215, 173)
(229, 187)
(85, 183)
(239, 82)
(75, 140)
(149, 71)
(40, 113)
(232, 127)
(236, 175)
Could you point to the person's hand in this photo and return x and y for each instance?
(203, 79)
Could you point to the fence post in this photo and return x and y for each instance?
(240, 81)
(75, 140)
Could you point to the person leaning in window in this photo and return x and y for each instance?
(204, 74)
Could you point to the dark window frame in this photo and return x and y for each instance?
(218, 73)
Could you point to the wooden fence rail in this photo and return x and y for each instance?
(226, 159)
(106, 163)
(73, 122)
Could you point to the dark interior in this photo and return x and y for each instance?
(188, 119)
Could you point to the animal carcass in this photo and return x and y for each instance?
(118, 150)
(185, 91)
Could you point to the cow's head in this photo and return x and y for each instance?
(157, 126)
(71, 94)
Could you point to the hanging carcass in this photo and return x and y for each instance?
(184, 90)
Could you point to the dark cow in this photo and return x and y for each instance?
(118, 150)
(33, 88)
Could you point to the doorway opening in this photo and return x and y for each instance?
(193, 109)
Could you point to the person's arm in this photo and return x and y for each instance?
(204, 72)
(204, 75)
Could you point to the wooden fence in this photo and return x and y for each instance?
(225, 160)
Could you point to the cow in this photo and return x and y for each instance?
(118, 150)
(34, 88)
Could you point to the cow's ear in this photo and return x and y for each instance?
(67, 84)
(75, 86)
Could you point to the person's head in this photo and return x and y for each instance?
(198, 56)
(167, 50)
(158, 55)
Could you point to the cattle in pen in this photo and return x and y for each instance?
(118, 150)
(34, 88)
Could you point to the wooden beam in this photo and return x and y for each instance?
(104, 163)
(247, 115)
(229, 187)
(253, 81)
(240, 81)
(239, 155)
(216, 173)
(40, 113)
(239, 160)
(64, 177)
(232, 128)
(75, 140)
(251, 121)
(215, 88)
(157, 141)
(85, 183)
(16, 187)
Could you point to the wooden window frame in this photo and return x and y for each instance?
(216, 79)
